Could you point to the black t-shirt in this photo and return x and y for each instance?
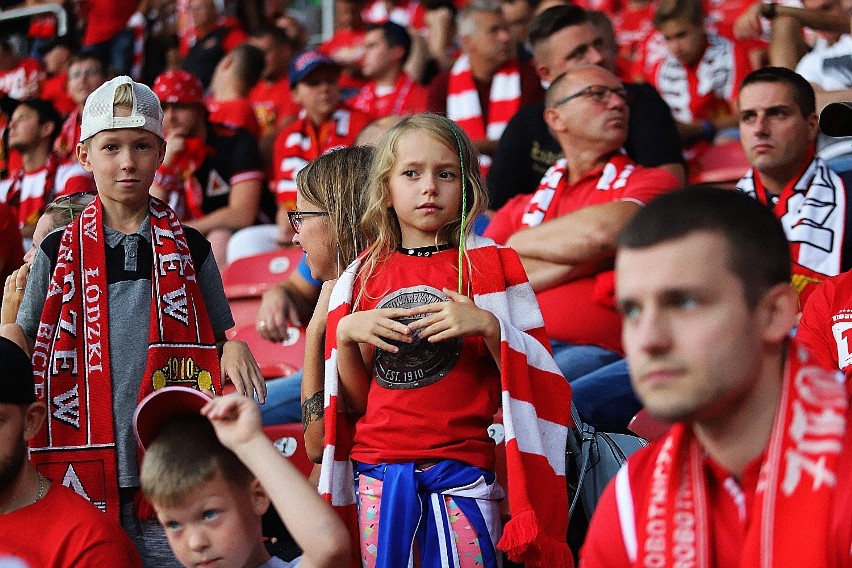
(234, 151)
(527, 149)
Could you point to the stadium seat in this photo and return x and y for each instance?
(251, 276)
(723, 164)
(274, 359)
(290, 441)
(650, 428)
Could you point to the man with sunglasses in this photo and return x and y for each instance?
(582, 202)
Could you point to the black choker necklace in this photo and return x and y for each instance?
(423, 251)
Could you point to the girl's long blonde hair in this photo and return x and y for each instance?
(335, 182)
(380, 222)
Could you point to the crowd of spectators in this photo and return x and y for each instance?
(580, 112)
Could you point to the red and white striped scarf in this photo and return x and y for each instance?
(71, 358)
(797, 481)
(536, 411)
(391, 104)
(299, 148)
(463, 105)
(812, 208)
(613, 176)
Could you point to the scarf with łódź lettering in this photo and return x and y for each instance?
(798, 475)
(536, 411)
(71, 358)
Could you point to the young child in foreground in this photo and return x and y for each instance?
(427, 331)
(211, 476)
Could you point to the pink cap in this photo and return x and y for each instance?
(163, 405)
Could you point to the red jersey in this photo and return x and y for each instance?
(63, 529)
(272, 103)
(623, 511)
(237, 113)
(14, 81)
(105, 18)
(826, 323)
(407, 13)
(28, 193)
(406, 96)
(54, 90)
(302, 141)
(593, 319)
(633, 27)
(414, 394)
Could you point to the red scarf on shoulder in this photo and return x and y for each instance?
(71, 358)
(792, 510)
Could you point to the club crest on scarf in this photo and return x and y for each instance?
(419, 363)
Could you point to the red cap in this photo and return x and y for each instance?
(179, 87)
(163, 405)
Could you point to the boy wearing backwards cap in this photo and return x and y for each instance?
(210, 493)
(134, 302)
(30, 503)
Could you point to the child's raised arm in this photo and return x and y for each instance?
(459, 317)
(357, 331)
(315, 527)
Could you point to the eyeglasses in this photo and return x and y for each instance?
(296, 217)
(598, 93)
(76, 74)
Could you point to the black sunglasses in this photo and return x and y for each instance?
(296, 217)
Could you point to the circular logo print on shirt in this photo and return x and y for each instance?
(418, 363)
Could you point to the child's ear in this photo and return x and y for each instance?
(83, 156)
(259, 499)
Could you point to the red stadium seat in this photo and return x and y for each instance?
(274, 359)
(290, 441)
(722, 165)
(251, 276)
(650, 428)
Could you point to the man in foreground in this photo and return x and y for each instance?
(703, 282)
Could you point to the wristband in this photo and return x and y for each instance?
(709, 131)
(769, 10)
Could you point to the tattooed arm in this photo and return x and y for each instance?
(313, 377)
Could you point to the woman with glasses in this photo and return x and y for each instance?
(326, 221)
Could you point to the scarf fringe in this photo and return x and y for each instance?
(525, 541)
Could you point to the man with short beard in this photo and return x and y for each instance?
(43, 523)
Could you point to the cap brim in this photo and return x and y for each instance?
(313, 66)
(836, 119)
(163, 405)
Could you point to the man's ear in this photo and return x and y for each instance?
(83, 157)
(259, 499)
(34, 419)
(47, 129)
(553, 119)
(777, 311)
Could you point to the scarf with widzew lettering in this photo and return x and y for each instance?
(536, 410)
(71, 358)
(798, 480)
(464, 108)
(812, 208)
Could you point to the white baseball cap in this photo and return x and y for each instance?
(99, 113)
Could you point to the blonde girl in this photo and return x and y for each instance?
(425, 328)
